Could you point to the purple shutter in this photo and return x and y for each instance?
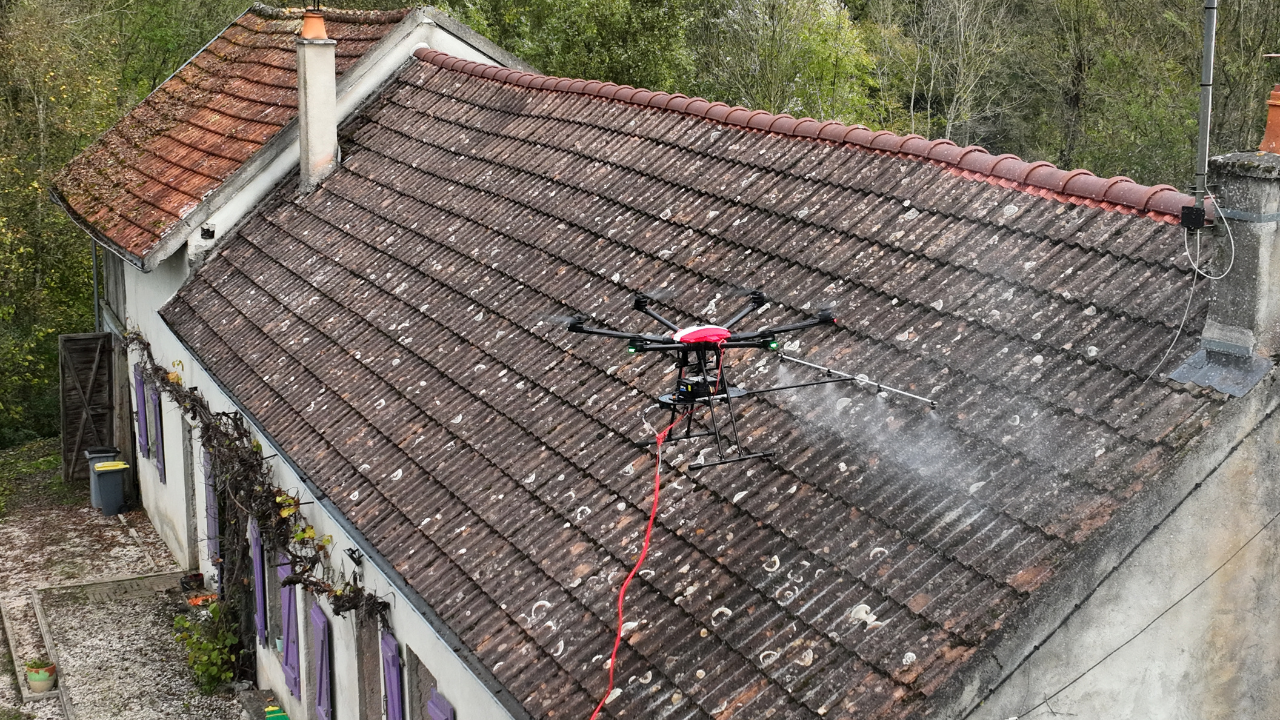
(289, 618)
(438, 708)
(259, 582)
(211, 509)
(320, 641)
(391, 677)
(157, 434)
(139, 394)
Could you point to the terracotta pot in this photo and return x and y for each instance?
(41, 680)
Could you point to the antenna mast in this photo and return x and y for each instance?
(1206, 99)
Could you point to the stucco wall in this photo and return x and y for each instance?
(164, 502)
(1138, 649)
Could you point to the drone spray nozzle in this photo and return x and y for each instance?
(642, 302)
(827, 315)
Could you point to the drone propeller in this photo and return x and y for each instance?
(562, 319)
(661, 294)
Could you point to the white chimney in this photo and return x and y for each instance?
(317, 102)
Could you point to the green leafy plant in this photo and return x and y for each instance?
(210, 645)
(38, 663)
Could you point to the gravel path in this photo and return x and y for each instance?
(119, 659)
(117, 655)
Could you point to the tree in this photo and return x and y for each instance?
(803, 57)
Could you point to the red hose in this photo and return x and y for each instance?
(644, 551)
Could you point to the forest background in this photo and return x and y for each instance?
(1107, 85)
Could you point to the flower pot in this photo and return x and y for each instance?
(41, 679)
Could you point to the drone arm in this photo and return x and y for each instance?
(758, 301)
(579, 327)
(825, 318)
(670, 325)
(642, 304)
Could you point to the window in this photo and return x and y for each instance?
(320, 664)
(438, 708)
(255, 552)
(275, 639)
(156, 428)
(420, 686)
(368, 662)
(391, 687)
(140, 400)
(289, 629)
(211, 512)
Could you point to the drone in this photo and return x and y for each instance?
(701, 382)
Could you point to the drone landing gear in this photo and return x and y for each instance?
(702, 383)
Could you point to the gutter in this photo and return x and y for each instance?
(468, 657)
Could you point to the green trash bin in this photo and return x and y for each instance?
(106, 482)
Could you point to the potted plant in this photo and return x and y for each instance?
(40, 675)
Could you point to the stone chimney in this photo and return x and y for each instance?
(317, 102)
(1244, 306)
(1242, 331)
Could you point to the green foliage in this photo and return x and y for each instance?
(632, 42)
(38, 663)
(68, 70)
(34, 467)
(210, 642)
(803, 57)
(1111, 87)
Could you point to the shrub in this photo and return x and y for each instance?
(210, 647)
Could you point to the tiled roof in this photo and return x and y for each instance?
(141, 177)
(1160, 202)
(391, 331)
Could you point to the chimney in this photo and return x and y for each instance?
(317, 102)
(1242, 331)
(1271, 136)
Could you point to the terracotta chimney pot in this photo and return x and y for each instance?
(313, 26)
(1271, 136)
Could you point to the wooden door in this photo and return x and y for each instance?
(85, 364)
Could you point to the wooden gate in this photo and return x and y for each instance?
(84, 365)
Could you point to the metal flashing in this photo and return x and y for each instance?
(1229, 373)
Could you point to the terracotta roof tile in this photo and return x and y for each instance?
(209, 118)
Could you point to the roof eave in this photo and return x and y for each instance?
(94, 233)
(468, 657)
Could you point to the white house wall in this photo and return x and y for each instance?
(165, 503)
(1205, 581)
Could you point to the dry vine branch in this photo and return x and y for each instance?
(242, 484)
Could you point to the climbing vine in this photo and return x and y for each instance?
(244, 489)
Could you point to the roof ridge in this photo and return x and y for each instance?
(1162, 203)
(370, 17)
